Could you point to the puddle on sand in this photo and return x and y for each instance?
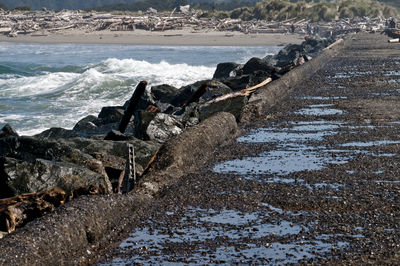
(270, 254)
(322, 98)
(391, 73)
(199, 228)
(295, 150)
(319, 110)
(351, 74)
(281, 162)
(333, 186)
(311, 131)
(370, 143)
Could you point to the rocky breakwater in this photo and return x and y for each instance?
(173, 131)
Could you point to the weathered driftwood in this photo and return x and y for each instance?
(141, 87)
(245, 92)
(17, 211)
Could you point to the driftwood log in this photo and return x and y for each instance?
(245, 92)
(141, 87)
(17, 211)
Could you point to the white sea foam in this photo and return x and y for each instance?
(36, 85)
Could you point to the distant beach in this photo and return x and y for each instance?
(170, 37)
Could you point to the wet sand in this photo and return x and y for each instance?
(171, 37)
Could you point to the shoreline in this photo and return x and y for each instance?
(170, 38)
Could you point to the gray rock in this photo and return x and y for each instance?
(57, 132)
(144, 150)
(88, 123)
(163, 127)
(231, 105)
(215, 89)
(26, 177)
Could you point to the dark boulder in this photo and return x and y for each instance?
(214, 88)
(237, 83)
(87, 123)
(146, 99)
(289, 55)
(257, 64)
(144, 150)
(164, 93)
(116, 136)
(57, 132)
(111, 114)
(8, 131)
(226, 70)
(312, 47)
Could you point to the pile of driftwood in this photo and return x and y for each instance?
(45, 22)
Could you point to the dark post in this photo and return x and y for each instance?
(132, 104)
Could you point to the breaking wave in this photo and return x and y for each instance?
(61, 96)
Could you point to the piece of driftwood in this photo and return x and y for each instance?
(141, 87)
(245, 92)
(17, 211)
(394, 40)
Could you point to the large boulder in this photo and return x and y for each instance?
(257, 64)
(163, 127)
(26, 177)
(164, 93)
(88, 123)
(111, 114)
(214, 89)
(57, 132)
(227, 70)
(289, 55)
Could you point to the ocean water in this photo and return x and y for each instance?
(55, 85)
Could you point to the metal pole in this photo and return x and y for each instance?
(130, 169)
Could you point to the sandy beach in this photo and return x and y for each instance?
(170, 37)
